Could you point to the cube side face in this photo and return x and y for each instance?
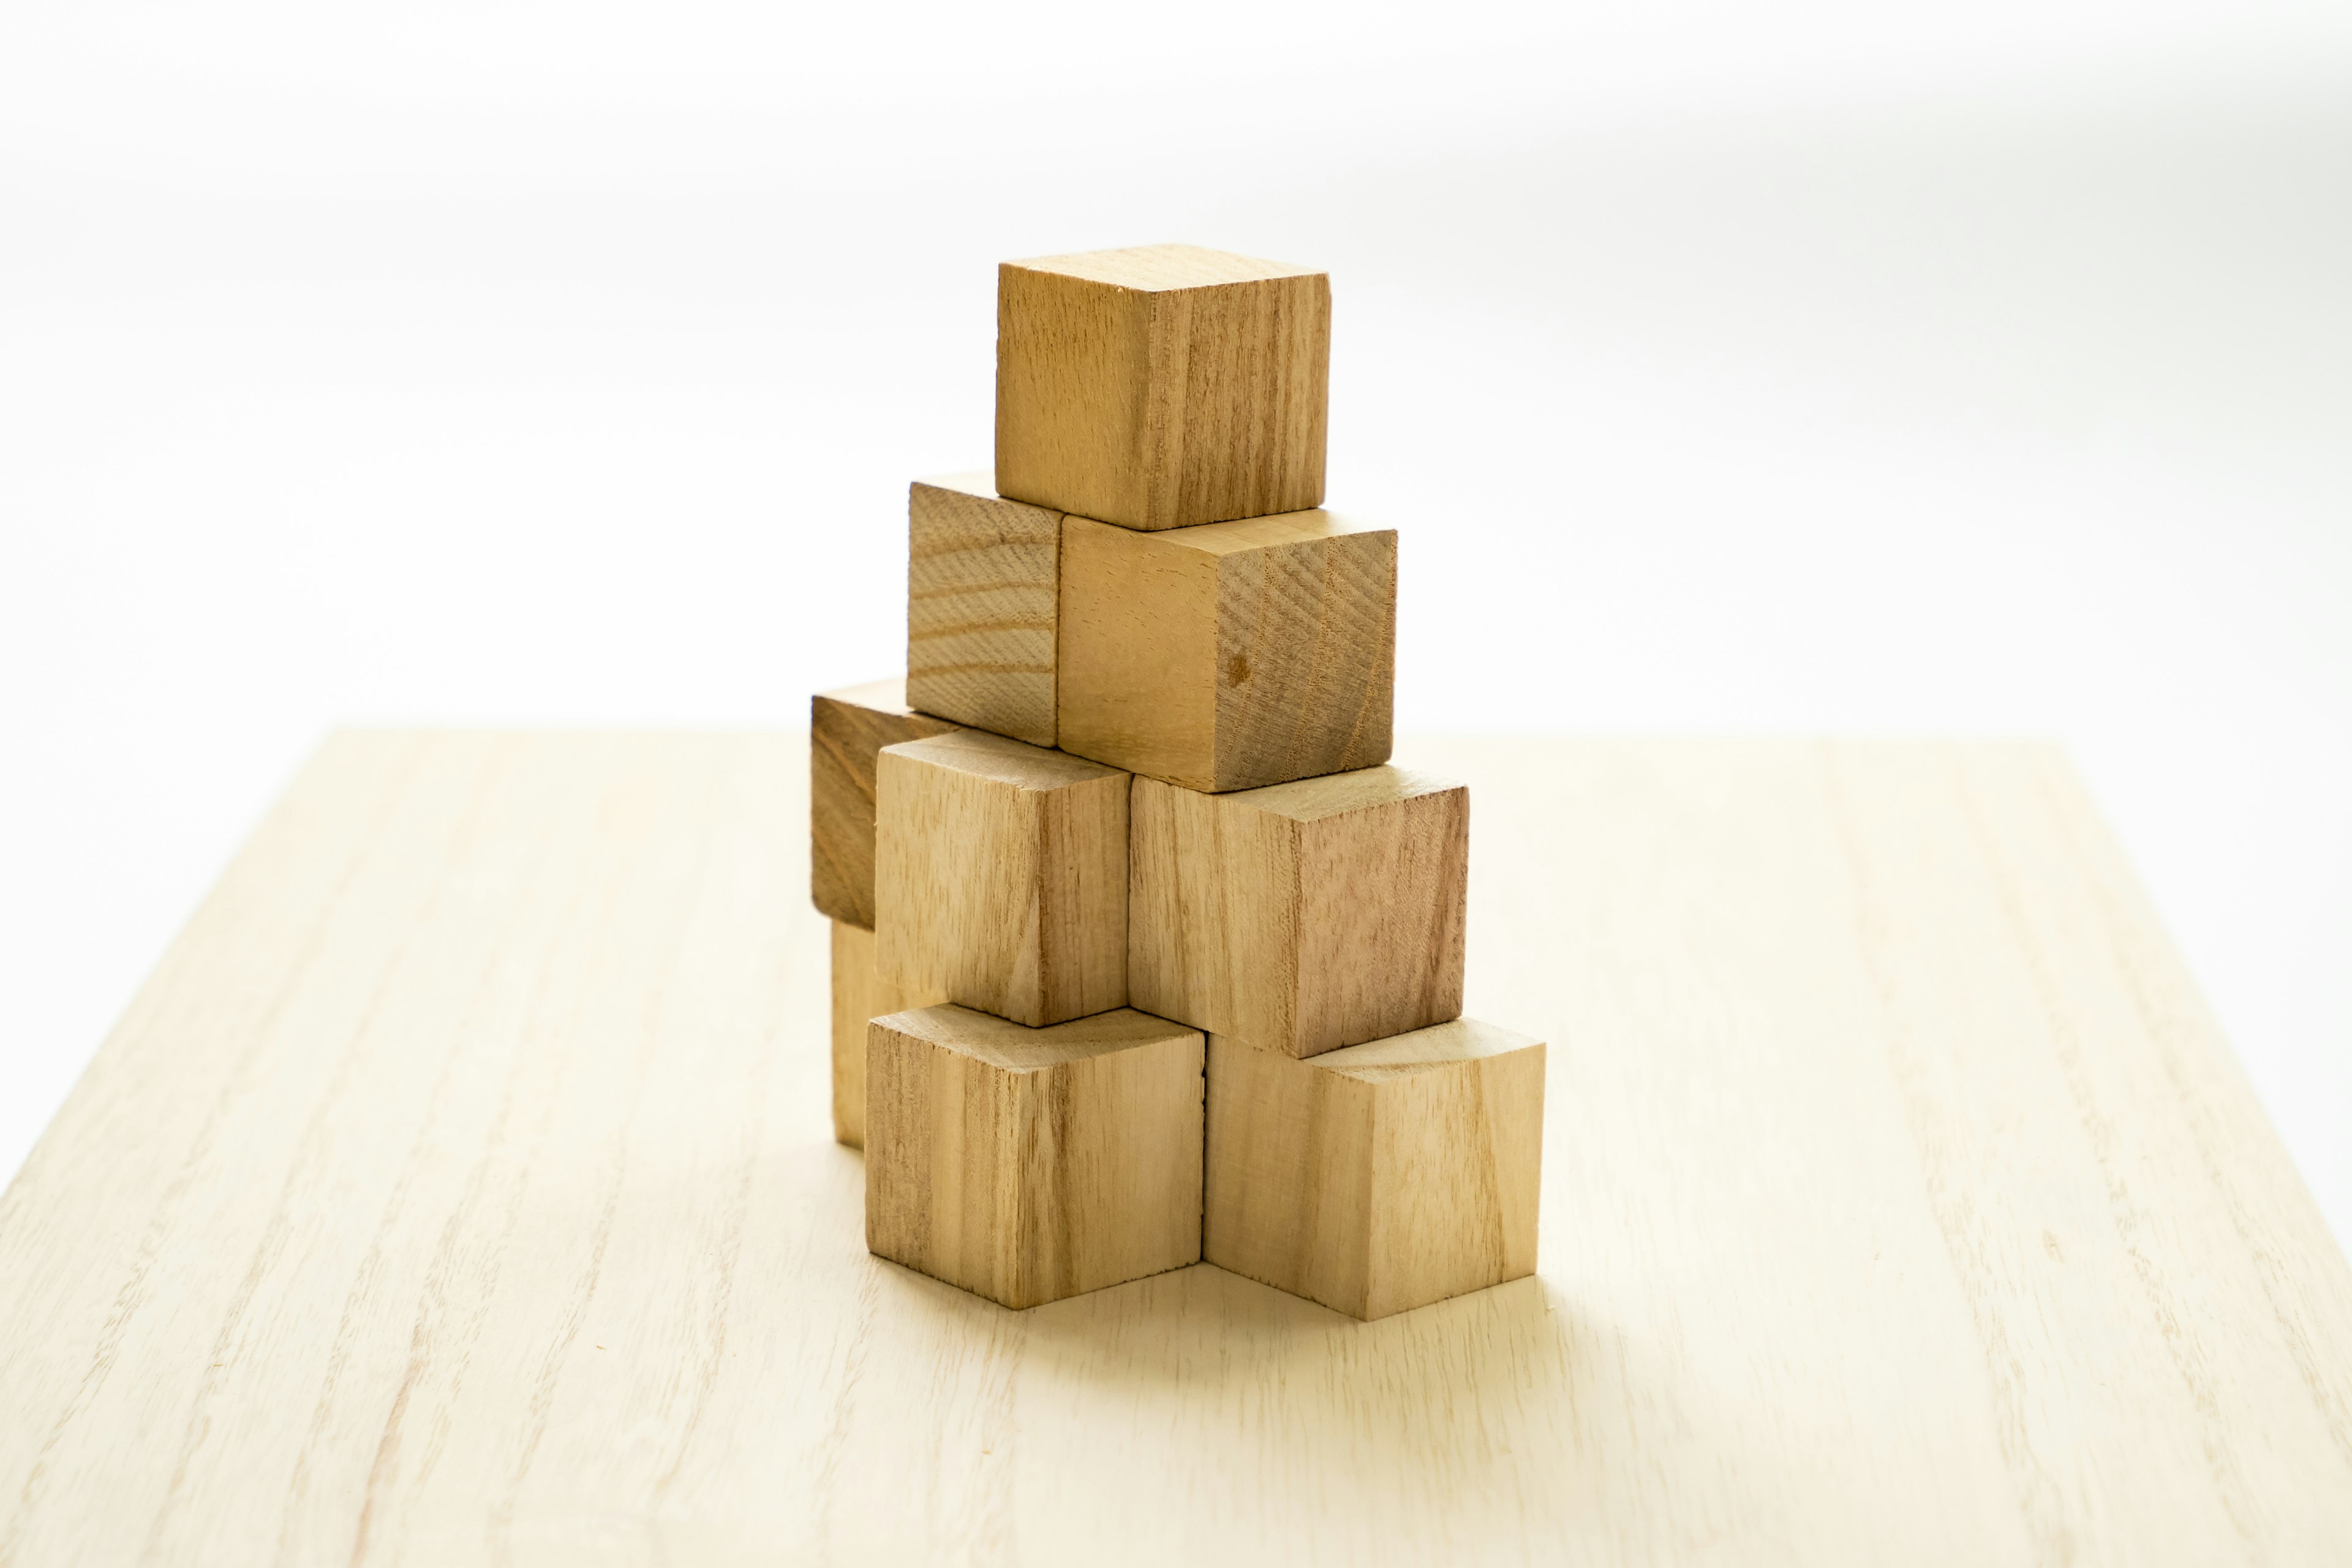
(942, 1163)
(846, 736)
(1072, 366)
(1111, 1178)
(1383, 906)
(1457, 1176)
(984, 580)
(860, 994)
(1137, 653)
(1306, 658)
(1288, 1180)
(1213, 937)
(1237, 401)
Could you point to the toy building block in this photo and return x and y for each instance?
(1161, 387)
(1030, 1164)
(1000, 879)
(1382, 1177)
(1301, 918)
(1231, 655)
(846, 730)
(859, 995)
(983, 581)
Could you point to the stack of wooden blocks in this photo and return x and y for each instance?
(1142, 955)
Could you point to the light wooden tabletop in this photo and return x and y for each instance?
(459, 1190)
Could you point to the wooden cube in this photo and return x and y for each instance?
(1229, 656)
(846, 730)
(1161, 387)
(1030, 1164)
(1301, 918)
(1000, 877)
(1382, 1177)
(983, 575)
(859, 995)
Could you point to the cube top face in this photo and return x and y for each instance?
(1433, 1049)
(1247, 533)
(887, 695)
(1017, 1049)
(974, 493)
(1155, 269)
(1341, 794)
(984, 580)
(1000, 759)
(1230, 656)
(979, 484)
(1162, 387)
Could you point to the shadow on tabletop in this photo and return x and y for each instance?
(1200, 1326)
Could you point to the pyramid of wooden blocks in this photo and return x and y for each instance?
(1142, 953)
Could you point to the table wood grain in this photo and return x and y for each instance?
(460, 1190)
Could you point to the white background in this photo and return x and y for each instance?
(1978, 368)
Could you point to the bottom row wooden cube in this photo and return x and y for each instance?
(1030, 1164)
(1377, 1177)
(860, 992)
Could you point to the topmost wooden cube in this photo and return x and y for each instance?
(1161, 387)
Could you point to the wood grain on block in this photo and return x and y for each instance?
(846, 730)
(1382, 1177)
(1002, 877)
(1303, 917)
(1030, 1164)
(459, 1190)
(983, 595)
(1161, 387)
(1229, 656)
(859, 995)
